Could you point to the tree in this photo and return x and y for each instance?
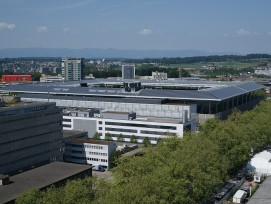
(120, 138)
(133, 139)
(36, 76)
(108, 136)
(96, 136)
(113, 160)
(175, 171)
(146, 142)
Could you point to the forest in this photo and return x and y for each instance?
(186, 170)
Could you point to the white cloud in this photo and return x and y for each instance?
(42, 29)
(269, 34)
(70, 30)
(244, 32)
(226, 35)
(145, 31)
(6, 26)
(66, 30)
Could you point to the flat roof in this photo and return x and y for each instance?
(39, 178)
(69, 133)
(90, 141)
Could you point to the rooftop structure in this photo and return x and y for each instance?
(56, 173)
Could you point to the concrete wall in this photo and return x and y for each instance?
(152, 110)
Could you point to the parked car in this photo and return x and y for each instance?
(99, 168)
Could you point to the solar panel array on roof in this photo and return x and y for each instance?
(176, 94)
(219, 93)
(226, 92)
(250, 86)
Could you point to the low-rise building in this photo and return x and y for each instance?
(87, 151)
(127, 124)
(16, 78)
(159, 76)
(49, 78)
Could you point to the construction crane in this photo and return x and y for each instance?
(180, 73)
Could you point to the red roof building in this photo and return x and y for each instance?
(13, 78)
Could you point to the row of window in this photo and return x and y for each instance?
(87, 158)
(98, 153)
(120, 130)
(155, 132)
(33, 135)
(141, 125)
(66, 125)
(93, 146)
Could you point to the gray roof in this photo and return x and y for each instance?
(39, 178)
(235, 90)
(217, 92)
(262, 195)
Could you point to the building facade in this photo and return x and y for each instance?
(30, 135)
(15, 78)
(128, 71)
(159, 76)
(128, 125)
(92, 152)
(73, 68)
(49, 78)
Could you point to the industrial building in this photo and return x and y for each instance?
(73, 68)
(144, 108)
(16, 78)
(30, 135)
(128, 71)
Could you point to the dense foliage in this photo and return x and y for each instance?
(176, 170)
(204, 59)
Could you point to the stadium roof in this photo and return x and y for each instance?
(208, 90)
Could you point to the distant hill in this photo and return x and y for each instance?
(100, 53)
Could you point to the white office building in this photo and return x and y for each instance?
(128, 124)
(159, 76)
(49, 78)
(73, 68)
(85, 151)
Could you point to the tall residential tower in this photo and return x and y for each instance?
(73, 68)
(128, 71)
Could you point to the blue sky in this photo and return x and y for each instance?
(211, 25)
